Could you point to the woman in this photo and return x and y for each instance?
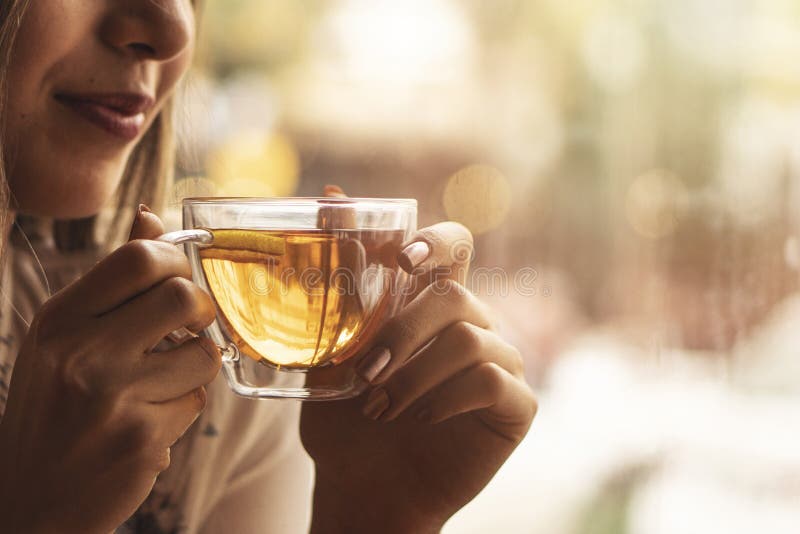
(99, 432)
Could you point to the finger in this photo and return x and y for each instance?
(336, 214)
(459, 347)
(434, 309)
(157, 426)
(177, 415)
(444, 249)
(146, 225)
(167, 375)
(128, 271)
(333, 190)
(505, 403)
(170, 305)
(335, 217)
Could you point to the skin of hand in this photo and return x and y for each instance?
(447, 405)
(91, 412)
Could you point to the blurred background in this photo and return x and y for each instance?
(631, 172)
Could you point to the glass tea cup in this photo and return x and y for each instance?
(300, 285)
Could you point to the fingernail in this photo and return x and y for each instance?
(332, 190)
(373, 363)
(377, 403)
(413, 255)
(141, 209)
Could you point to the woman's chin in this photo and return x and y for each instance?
(64, 210)
(86, 196)
(65, 187)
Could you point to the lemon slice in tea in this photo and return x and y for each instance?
(244, 245)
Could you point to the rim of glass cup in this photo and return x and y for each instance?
(304, 201)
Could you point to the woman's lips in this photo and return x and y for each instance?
(122, 115)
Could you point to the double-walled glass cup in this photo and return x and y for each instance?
(300, 285)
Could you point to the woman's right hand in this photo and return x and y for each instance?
(91, 412)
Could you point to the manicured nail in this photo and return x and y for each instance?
(413, 255)
(332, 190)
(373, 363)
(141, 209)
(377, 403)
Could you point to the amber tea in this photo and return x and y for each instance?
(301, 286)
(301, 299)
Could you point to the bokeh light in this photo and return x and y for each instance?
(479, 197)
(655, 202)
(254, 164)
(614, 51)
(384, 42)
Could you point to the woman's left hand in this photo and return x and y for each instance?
(447, 405)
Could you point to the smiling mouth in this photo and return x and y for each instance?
(120, 114)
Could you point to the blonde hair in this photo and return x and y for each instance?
(145, 178)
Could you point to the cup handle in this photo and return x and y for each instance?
(196, 235)
(203, 237)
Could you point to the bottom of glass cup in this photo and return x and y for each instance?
(303, 394)
(285, 386)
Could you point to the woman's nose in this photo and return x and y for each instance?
(149, 29)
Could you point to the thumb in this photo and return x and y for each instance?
(337, 214)
(332, 190)
(146, 225)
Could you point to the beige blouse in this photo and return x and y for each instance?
(240, 468)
